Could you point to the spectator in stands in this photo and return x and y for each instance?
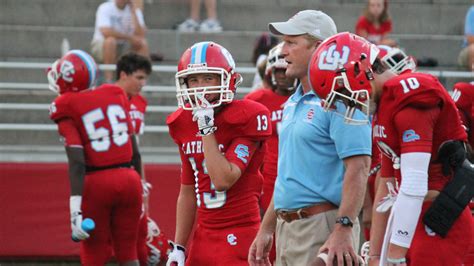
(119, 27)
(466, 57)
(211, 24)
(375, 23)
(263, 44)
(318, 162)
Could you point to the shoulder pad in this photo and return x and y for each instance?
(256, 95)
(416, 89)
(249, 118)
(59, 107)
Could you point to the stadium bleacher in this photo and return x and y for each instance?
(32, 31)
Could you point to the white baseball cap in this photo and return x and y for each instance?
(313, 22)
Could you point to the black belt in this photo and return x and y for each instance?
(90, 169)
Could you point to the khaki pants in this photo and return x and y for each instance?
(97, 49)
(298, 242)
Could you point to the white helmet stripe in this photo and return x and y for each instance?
(91, 66)
(198, 53)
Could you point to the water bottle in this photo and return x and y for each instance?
(87, 225)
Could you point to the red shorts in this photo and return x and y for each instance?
(224, 247)
(113, 199)
(429, 248)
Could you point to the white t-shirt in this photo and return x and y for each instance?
(110, 16)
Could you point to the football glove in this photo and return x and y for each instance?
(177, 255)
(78, 233)
(204, 116)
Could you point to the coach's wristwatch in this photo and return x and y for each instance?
(344, 221)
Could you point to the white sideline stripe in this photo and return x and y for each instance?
(157, 68)
(40, 106)
(44, 86)
(43, 127)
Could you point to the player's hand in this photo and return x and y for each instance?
(177, 255)
(339, 246)
(76, 218)
(204, 116)
(259, 252)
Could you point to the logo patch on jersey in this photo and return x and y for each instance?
(310, 114)
(410, 136)
(232, 239)
(242, 152)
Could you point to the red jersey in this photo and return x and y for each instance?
(400, 128)
(241, 128)
(98, 121)
(375, 34)
(274, 102)
(138, 106)
(463, 96)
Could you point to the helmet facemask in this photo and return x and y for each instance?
(398, 62)
(189, 98)
(53, 77)
(345, 102)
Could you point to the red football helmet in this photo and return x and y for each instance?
(75, 71)
(396, 60)
(157, 244)
(340, 73)
(205, 58)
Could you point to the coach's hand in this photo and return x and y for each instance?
(259, 252)
(78, 233)
(339, 247)
(177, 255)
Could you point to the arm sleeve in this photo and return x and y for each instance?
(415, 127)
(69, 133)
(240, 152)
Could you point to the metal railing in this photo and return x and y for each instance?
(150, 88)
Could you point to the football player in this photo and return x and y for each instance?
(463, 96)
(420, 134)
(104, 162)
(274, 99)
(221, 143)
(132, 72)
(399, 63)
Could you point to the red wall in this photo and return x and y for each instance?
(34, 207)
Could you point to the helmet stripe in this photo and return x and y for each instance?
(198, 53)
(91, 66)
(204, 51)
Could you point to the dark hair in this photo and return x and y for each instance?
(132, 62)
(385, 16)
(263, 44)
